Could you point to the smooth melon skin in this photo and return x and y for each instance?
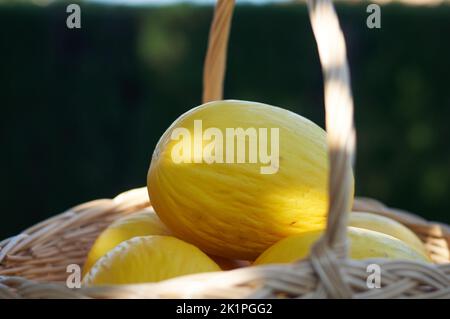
(148, 259)
(387, 226)
(232, 210)
(364, 244)
(142, 223)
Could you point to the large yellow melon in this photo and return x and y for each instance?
(235, 204)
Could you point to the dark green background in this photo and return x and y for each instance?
(81, 110)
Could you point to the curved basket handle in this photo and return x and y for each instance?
(331, 248)
(339, 118)
(216, 55)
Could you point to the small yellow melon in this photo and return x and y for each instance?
(142, 223)
(364, 244)
(148, 259)
(387, 226)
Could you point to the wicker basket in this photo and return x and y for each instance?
(34, 263)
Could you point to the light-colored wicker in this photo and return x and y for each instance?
(34, 263)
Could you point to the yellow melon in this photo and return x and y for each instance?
(234, 177)
(148, 259)
(387, 226)
(142, 223)
(363, 244)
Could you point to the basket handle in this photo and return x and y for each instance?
(216, 55)
(332, 247)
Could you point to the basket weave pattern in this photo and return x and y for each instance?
(34, 263)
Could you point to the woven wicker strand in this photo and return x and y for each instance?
(33, 264)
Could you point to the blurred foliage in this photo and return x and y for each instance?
(81, 110)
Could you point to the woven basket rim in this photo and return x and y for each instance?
(14, 284)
